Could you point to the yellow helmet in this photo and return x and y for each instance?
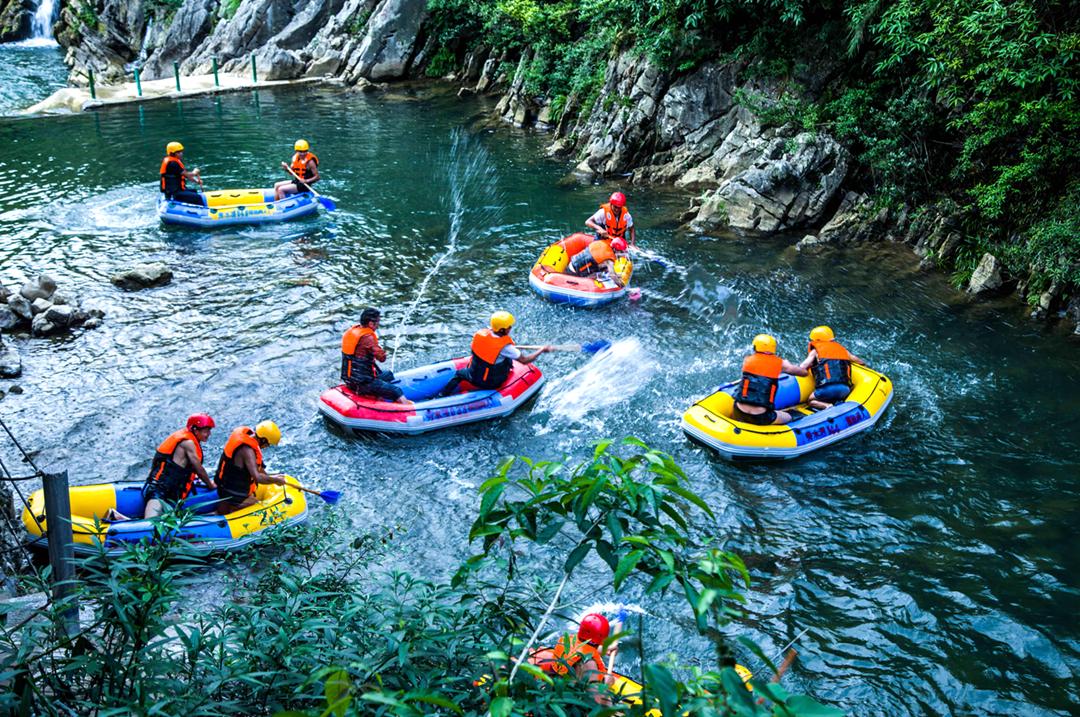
(269, 431)
(173, 148)
(765, 344)
(301, 145)
(501, 320)
(822, 333)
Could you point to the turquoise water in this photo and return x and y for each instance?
(31, 71)
(932, 559)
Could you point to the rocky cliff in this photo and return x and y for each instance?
(15, 19)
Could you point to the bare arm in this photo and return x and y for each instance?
(794, 370)
(810, 359)
(856, 359)
(596, 227)
(313, 169)
(529, 358)
(255, 471)
(191, 459)
(610, 266)
(631, 234)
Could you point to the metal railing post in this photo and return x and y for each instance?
(254, 75)
(90, 76)
(213, 66)
(176, 73)
(61, 548)
(138, 83)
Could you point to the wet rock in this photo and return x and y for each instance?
(40, 306)
(92, 323)
(79, 317)
(986, 279)
(326, 65)
(15, 389)
(9, 319)
(60, 316)
(143, 276)
(32, 292)
(10, 364)
(20, 305)
(59, 298)
(96, 313)
(41, 326)
(4, 294)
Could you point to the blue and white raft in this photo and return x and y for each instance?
(229, 207)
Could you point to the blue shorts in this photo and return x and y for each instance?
(835, 393)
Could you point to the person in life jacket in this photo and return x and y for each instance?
(755, 394)
(304, 165)
(241, 467)
(596, 257)
(613, 220)
(176, 465)
(583, 654)
(174, 177)
(830, 365)
(493, 356)
(360, 350)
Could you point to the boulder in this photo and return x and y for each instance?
(59, 298)
(16, 19)
(39, 306)
(8, 319)
(31, 291)
(4, 294)
(10, 363)
(143, 276)
(21, 306)
(986, 279)
(280, 64)
(60, 316)
(41, 326)
(92, 323)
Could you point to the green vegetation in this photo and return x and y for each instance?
(228, 9)
(977, 101)
(164, 10)
(310, 624)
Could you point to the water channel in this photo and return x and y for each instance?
(933, 559)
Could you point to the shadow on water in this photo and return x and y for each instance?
(933, 558)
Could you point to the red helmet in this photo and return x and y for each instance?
(199, 420)
(618, 199)
(594, 628)
(618, 244)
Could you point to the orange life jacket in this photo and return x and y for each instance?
(487, 370)
(590, 260)
(167, 187)
(177, 479)
(760, 375)
(614, 220)
(353, 367)
(569, 651)
(833, 364)
(233, 481)
(300, 166)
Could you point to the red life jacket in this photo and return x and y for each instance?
(833, 364)
(569, 651)
(177, 479)
(614, 220)
(590, 260)
(233, 481)
(486, 369)
(300, 166)
(354, 367)
(760, 375)
(167, 180)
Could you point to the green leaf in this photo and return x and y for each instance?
(576, 556)
(660, 684)
(501, 707)
(692, 497)
(435, 700)
(549, 530)
(627, 565)
(614, 527)
(739, 697)
(337, 690)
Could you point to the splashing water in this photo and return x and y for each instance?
(470, 175)
(608, 379)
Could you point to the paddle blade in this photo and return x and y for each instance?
(330, 496)
(593, 347)
(327, 202)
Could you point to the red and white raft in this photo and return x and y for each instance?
(360, 414)
(549, 278)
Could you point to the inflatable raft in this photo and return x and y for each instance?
(548, 277)
(359, 414)
(228, 207)
(207, 532)
(709, 421)
(628, 691)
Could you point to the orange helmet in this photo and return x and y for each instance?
(618, 199)
(594, 628)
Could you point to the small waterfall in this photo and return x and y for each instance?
(41, 25)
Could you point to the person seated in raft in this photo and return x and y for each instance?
(596, 257)
(305, 165)
(360, 350)
(613, 220)
(583, 654)
(176, 464)
(757, 390)
(241, 468)
(830, 365)
(493, 356)
(174, 177)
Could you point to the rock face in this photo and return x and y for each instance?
(143, 276)
(15, 19)
(390, 43)
(986, 279)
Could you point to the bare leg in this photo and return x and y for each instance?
(153, 508)
(782, 417)
(816, 404)
(403, 401)
(112, 515)
(231, 507)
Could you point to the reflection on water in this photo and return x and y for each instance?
(933, 559)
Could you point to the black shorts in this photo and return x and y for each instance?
(301, 187)
(187, 196)
(167, 493)
(376, 387)
(758, 419)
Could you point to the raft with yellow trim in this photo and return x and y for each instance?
(628, 691)
(229, 207)
(549, 278)
(709, 421)
(207, 531)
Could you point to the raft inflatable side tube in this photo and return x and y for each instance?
(549, 280)
(207, 532)
(361, 414)
(230, 207)
(710, 422)
(628, 691)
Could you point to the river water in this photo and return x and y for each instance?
(933, 559)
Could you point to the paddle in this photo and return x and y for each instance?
(330, 496)
(590, 347)
(325, 201)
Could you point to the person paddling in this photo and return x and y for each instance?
(596, 257)
(174, 177)
(493, 356)
(360, 350)
(613, 220)
(177, 463)
(241, 468)
(305, 167)
(830, 365)
(756, 393)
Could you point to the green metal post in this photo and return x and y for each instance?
(213, 65)
(176, 73)
(93, 92)
(254, 75)
(138, 83)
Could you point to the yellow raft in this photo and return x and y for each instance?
(629, 692)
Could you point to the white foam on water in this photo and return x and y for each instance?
(611, 377)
